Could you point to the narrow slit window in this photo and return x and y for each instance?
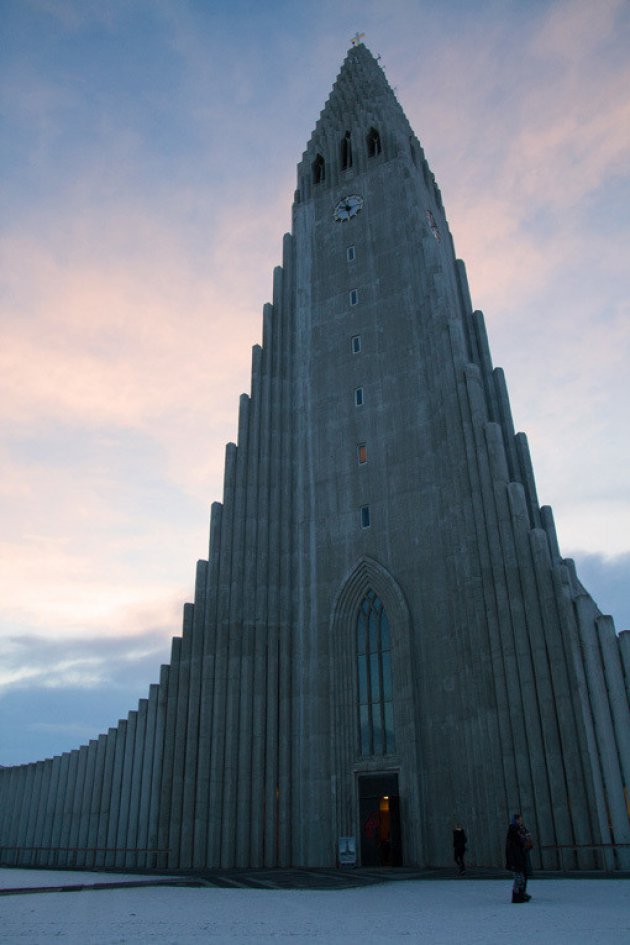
(356, 344)
(351, 254)
(365, 516)
(319, 169)
(354, 296)
(358, 396)
(362, 453)
(346, 152)
(373, 143)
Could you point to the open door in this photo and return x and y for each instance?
(379, 811)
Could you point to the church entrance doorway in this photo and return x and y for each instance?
(379, 813)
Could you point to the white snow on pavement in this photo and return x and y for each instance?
(431, 912)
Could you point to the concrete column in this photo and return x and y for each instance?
(65, 839)
(8, 777)
(284, 421)
(624, 648)
(179, 746)
(157, 768)
(96, 801)
(202, 798)
(194, 706)
(84, 857)
(248, 777)
(86, 839)
(131, 858)
(7, 803)
(38, 825)
(216, 784)
(106, 795)
(169, 751)
(77, 800)
(122, 832)
(276, 512)
(143, 857)
(527, 478)
(49, 813)
(14, 834)
(58, 815)
(25, 791)
(255, 617)
(30, 839)
(115, 798)
(237, 683)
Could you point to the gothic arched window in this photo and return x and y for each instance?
(319, 169)
(373, 142)
(374, 677)
(346, 152)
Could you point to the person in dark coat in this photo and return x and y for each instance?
(517, 857)
(459, 846)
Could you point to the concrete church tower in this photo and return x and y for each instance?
(384, 637)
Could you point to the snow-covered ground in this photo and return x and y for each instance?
(435, 912)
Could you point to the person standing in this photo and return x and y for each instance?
(459, 846)
(517, 857)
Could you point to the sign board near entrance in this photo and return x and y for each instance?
(347, 852)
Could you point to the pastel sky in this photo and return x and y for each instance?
(147, 155)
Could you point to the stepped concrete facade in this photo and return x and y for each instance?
(384, 637)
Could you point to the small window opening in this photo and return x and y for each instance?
(362, 453)
(358, 397)
(354, 296)
(346, 152)
(356, 344)
(373, 143)
(351, 254)
(319, 169)
(365, 516)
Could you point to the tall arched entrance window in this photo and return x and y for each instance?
(374, 677)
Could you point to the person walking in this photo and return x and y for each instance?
(517, 857)
(459, 847)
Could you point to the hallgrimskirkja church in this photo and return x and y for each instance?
(385, 637)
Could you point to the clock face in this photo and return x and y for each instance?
(348, 207)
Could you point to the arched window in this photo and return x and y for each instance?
(373, 142)
(374, 677)
(346, 152)
(319, 169)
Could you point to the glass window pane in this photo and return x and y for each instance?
(364, 723)
(385, 637)
(377, 731)
(387, 677)
(361, 633)
(373, 631)
(375, 683)
(363, 680)
(389, 727)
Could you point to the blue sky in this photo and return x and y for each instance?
(148, 154)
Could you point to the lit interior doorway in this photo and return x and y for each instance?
(379, 811)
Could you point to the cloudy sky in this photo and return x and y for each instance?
(148, 153)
